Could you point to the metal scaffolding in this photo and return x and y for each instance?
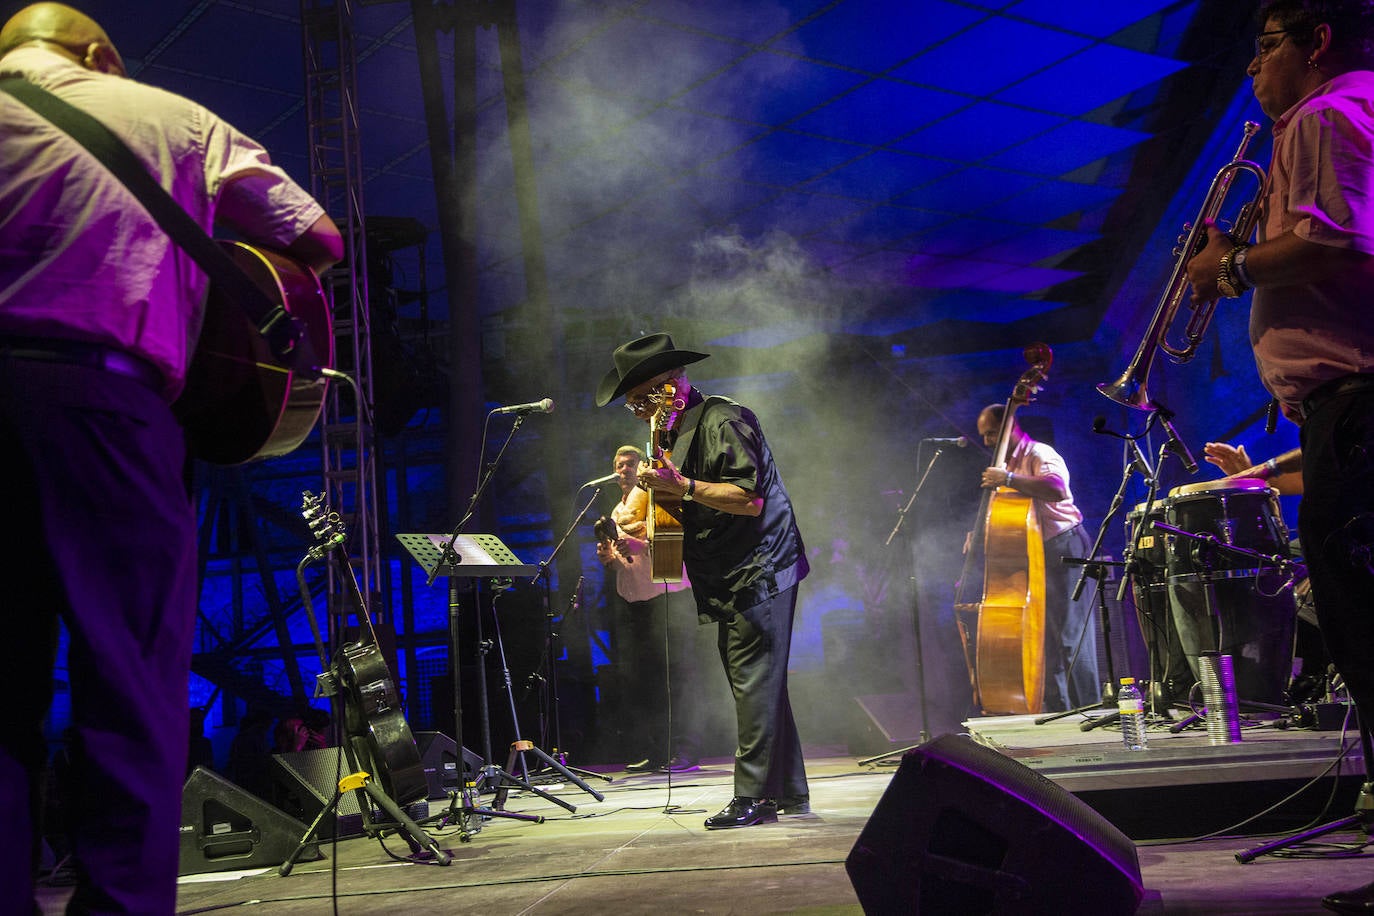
(348, 445)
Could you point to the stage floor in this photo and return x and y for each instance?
(643, 848)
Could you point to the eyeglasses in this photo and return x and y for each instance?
(1264, 48)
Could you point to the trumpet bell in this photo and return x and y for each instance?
(1127, 391)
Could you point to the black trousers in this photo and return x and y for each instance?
(99, 534)
(754, 648)
(1336, 524)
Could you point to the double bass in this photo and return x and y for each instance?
(1003, 630)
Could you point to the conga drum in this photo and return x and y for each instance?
(1149, 551)
(1229, 602)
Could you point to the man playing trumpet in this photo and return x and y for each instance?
(1310, 327)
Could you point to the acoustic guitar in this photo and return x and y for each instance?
(663, 517)
(240, 404)
(374, 724)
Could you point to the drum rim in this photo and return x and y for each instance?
(1224, 484)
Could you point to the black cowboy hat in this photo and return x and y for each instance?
(640, 360)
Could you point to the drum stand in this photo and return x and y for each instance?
(1206, 542)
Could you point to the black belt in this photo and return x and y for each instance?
(94, 356)
(1346, 384)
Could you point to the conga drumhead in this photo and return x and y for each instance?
(1225, 485)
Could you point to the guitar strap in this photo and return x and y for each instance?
(279, 328)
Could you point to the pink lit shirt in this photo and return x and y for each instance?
(80, 259)
(1321, 187)
(634, 573)
(1035, 459)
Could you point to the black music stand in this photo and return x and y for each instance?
(476, 556)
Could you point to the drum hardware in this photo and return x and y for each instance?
(1206, 545)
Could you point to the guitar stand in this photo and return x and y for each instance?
(422, 845)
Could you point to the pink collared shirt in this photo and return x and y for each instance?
(1321, 187)
(80, 259)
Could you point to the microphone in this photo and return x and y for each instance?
(544, 406)
(1177, 445)
(599, 481)
(960, 442)
(1137, 457)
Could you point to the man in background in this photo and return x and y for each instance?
(658, 660)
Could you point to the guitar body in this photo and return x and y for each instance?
(663, 517)
(239, 403)
(665, 539)
(375, 724)
(375, 727)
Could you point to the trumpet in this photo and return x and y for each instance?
(1129, 388)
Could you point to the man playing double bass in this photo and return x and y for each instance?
(1036, 470)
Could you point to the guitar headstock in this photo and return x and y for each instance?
(325, 524)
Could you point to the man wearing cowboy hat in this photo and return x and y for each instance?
(744, 555)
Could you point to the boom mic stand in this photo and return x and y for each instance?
(1129, 570)
(916, 620)
(1362, 818)
(559, 752)
(1097, 570)
(504, 779)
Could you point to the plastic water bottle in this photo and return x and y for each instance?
(1131, 707)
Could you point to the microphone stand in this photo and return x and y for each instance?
(559, 755)
(1133, 462)
(916, 621)
(447, 555)
(1097, 570)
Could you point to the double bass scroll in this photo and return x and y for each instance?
(1003, 629)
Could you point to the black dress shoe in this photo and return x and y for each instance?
(744, 812)
(1359, 900)
(794, 804)
(680, 764)
(644, 766)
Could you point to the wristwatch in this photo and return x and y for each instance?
(687, 495)
(1228, 284)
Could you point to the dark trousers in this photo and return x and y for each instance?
(660, 661)
(100, 535)
(1336, 524)
(754, 647)
(1071, 678)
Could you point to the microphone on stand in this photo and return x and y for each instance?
(1137, 457)
(544, 406)
(960, 442)
(1176, 444)
(599, 481)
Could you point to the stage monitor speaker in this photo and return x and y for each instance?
(964, 829)
(224, 828)
(306, 781)
(439, 759)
